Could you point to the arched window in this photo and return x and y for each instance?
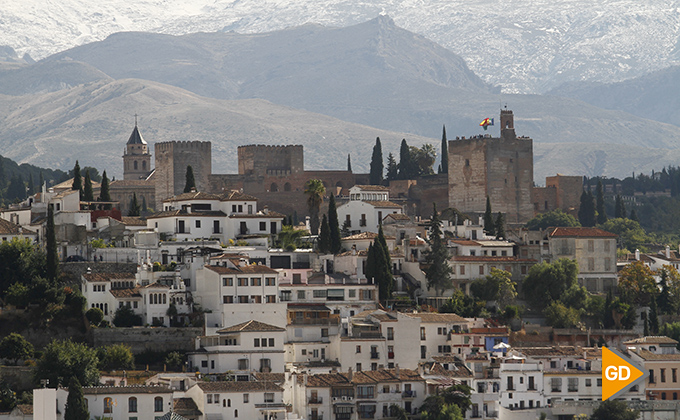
(164, 299)
(135, 165)
(224, 403)
(235, 413)
(229, 402)
(287, 186)
(132, 405)
(108, 405)
(158, 404)
(274, 187)
(144, 164)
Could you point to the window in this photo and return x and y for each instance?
(301, 295)
(481, 270)
(158, 404)
(270, 281)
(242, 364)
(256, 342)
(324, 332)
(390, 333)
(674, 374)
(651, 376)
(591, 245)
(589, 382)
(358, 367)
(606, 246)
(108, 405)
(358, 349)
(242, 282)
(263, 226)
(599, 382)
(319, 294)
(227, 299)
(271, 342)
(132, 405)
(572, 385)
(556, 384)
(591, 264)
(607, 264)
(245, 398)
(462, 270)
(352, 293)
(209, 398)
(422, 333)
(365, 391)
(255, 281)
(198, 223)
(663, 375)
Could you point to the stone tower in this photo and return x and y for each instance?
(172, 159)
(499, 167)
(136, 158)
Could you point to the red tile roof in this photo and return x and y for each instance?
(101, 277)
(581, 232)
(251, 326)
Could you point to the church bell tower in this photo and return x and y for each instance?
(136, 158)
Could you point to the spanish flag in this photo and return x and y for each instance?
(486, 123)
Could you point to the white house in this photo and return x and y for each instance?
(366, 208)
(248, 400)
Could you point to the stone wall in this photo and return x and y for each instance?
(153, 339)
(77, 269)
(18, 378)
(172, 159)
(262, 160)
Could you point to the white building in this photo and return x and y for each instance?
(368, 205)
(248, 400)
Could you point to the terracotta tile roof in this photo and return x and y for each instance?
(660, 339)
(398, 216)
(69, 184)
(465, 242)
(133, 389)
(185, 406)
(239, 386)
(259, 215)
(25, 409)
(246, 269)
(133, 221)
(166, 213)
(384, 204)
(434, 317)
(251, 326)
(237, 196)
(328, 379)
(126, 293)
(277, 378)
(557, 351)
(457, 368)
(9, 228)
(648, 355)
(372, 187)
(102, 277)
(194, 195)
(581, 232)
(385, 375)
(155, 285)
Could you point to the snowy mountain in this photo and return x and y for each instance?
(523, 46)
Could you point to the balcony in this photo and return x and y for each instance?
(343, 399)
(375, 355)
(314, 321)
(408, 394)
(317, 400)
(316, 417)
(390, 355)
(572, 389)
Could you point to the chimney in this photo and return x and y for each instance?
(637, 255)
(396, 370)
(668, 251)
(265, 210)
(354, 250)
(349, 374)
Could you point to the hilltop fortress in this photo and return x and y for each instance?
(498, 167)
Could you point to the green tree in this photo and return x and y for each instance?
(653, 317)
(369, 270)
(21, 261)
(314, 190)
(633, 215)
(446, 412)
(334, 227)
(63, 360)
(546, 282)
(95, 316)
(16, 189)
(190, 182)
(559, 316)
(576, 297)
(445, 153)
(104, 194)
(586, 211)
(489, 224)
(620, 209)
(115, 357)
(88, 194)
(601, 213)
(632, 236)
(636, 283)
(458, 395)
(669, 283)
(497, 286)
(422, 159)
(383, 269)
(135, 208)
(376, 172)
(77, 178)
(324, 236)
(174, 360)
(500, 226)
(15, 347)
(553, 218)
(392, 168)
(438, 271)
(76, 407)
(31, 184)
(463, 305)
(408, 169)
(18, 295)
(126, 317)
(52, 258)
(398, 413)
(291, 238)
(671, 330)
(614, 410)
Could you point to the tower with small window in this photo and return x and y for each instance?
(136, 157)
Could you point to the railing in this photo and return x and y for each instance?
(511, 388)
(556, 389)
(182, 231)
(408, 394)
(375, 355)
(317, 400)
(366, 396)
(317, 417)
(217, 231)
(572, 389)
(390, 355)
(315, 321)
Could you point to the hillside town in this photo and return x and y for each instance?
(411, 292)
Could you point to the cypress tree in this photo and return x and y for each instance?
(392, 168)
(75, 402)
(608, 319)
(135, 209)
(385, 249)
(77, 179)
(190, 181)
(653, 317)
(104, 194)
(645, 330)
(405, 161)
(586, 211)
(52, 263)
(664, 300)
(16, 188)
(620, 208)
(88, 195)
(376, 173)
(383, 272)
(633, 215)
(369, 271)
(334, 226)
(444, 168)
(500, 226)
(324, 236)
(601, 212)
(489, 224)
(31, 186)
(3, 179)
(349, 163)
(144, 207)
(438, 273)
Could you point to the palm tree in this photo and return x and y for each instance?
(314, 190)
